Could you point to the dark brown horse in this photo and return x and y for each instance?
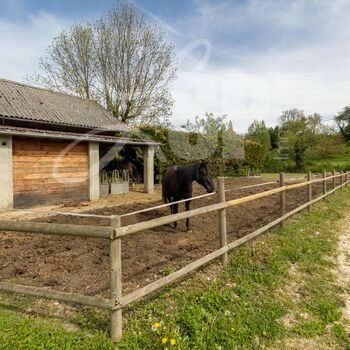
(121, 165)
(177, 184)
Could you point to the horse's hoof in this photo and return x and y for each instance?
(189, 231)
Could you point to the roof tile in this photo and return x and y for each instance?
(33, 103)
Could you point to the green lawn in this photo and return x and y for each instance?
(276, 291)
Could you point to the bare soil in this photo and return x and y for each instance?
(81, 265)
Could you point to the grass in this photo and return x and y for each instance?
(276, 176)
(340, 161)
(277, 292)
(316, 164)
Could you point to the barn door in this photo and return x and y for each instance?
(48, 172)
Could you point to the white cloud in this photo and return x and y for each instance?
(23, 43)
(246, 96)
(302, 61)
(265, 56)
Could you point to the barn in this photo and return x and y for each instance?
(51, 146)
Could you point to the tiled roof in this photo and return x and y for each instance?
(26, 102)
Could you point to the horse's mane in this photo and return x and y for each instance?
(187, 172)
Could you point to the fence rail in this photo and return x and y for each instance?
(114, 233)
(57, 229)
(56, 295)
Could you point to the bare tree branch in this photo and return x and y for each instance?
(122, 61)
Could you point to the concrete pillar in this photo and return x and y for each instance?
(148, 168)
(94, 170)
(6, 174)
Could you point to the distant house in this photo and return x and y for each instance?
(50, 146)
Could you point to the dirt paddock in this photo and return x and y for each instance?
(81, 265)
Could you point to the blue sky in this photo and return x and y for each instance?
(246, 59)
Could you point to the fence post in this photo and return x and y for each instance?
(282, 197)
(341, 179)
(115, 258)
(333, 173)
(324, 183)
(222, 219)
(309, 189)
(346, 179)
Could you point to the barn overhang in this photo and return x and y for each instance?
(91, 136)
(92, 140)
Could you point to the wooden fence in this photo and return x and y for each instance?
(115, 231)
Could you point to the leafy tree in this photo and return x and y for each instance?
(307, 136)
(326, 143)
(299, 153)
(254, 154)
(122, 61)
(274, 137)
(217, 130)
(222, 142)
(208, 125)
(343, 121)
(295, 129)
(315, 125)
(290, 116)
(258, 132)
(259, 135)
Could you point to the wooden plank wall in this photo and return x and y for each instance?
(49, 172)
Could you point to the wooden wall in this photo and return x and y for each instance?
(47, 172)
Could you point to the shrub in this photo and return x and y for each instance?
(235, 167)
(273, 164)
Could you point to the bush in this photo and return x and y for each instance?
(328, 166)
(235, 167)
(273, 164)
(254, 154)
(180, 148)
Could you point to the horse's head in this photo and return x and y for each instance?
(203, 177)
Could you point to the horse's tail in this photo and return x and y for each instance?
(165, 198)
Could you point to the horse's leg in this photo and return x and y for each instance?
(169, 200)
(187, 204)
(172, 208)
(176, 210)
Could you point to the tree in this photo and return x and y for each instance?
(291, 115)
(257, 140)
(274, 137)
(294, 127)
(217, 131)
(315, 125)
(258, 132)
(307, 136)
(208, 125)
(122, 61)
(254, 154)
(343, 121)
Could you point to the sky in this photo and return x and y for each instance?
(245, 59)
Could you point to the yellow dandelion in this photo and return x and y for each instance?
(164, 340)
(155, 326)
(172, 341)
